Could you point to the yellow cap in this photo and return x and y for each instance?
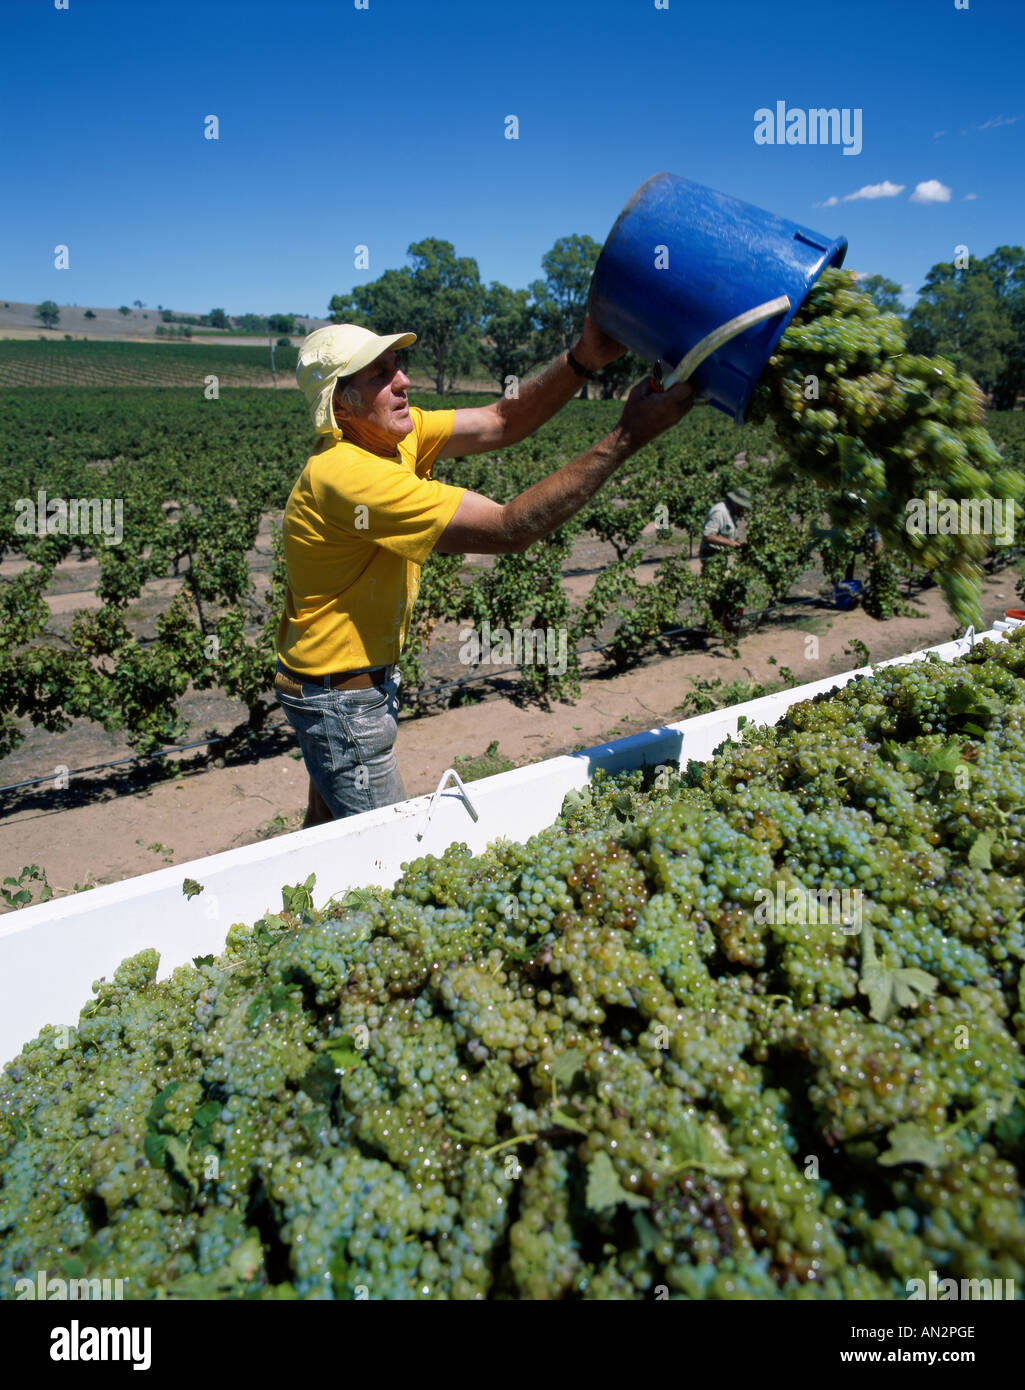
(338, 350)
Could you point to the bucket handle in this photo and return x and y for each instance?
(718, 336)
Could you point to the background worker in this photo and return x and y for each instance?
(723, 524)
(366, 512)
(721, 535)
(871, 546)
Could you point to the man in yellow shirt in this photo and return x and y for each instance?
(367, 511)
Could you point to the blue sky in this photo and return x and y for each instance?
(384, 125)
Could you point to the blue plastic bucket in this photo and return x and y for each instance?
(847, 593)
(682, 260)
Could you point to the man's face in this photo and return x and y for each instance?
(384, 416)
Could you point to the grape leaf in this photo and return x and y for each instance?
(297, 898)
(191, 888)
(979, 854)
(889, 988)
(199, 1287)
(203, 1122)
(575, 801)
(566, 1065)
(207, 1113)
(278, 999)
(523, 953)
(357, 899)
(321, 1080)
(898, 753)
(246, 1258)
(693, 1144)
(981, 705)
(313, 1124)
(910, 1143)
(945, 759)
(155, 1146)
(604, 1189)
(1012, 1126)
(267, 928)
(344, 1053)
(178, 1153)
(648, 1237)
(159, 1105)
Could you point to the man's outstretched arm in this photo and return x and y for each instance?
(482, 526)
(480, 429)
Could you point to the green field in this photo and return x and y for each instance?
(56, 362)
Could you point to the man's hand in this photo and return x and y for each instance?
(595, 349)
(647, 412)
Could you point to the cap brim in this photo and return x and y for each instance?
(371, 351)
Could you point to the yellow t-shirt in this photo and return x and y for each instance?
(357, 529)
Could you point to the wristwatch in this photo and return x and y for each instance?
(580, 371)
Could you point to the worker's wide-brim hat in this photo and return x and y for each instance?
(335, 351)
(740, 496)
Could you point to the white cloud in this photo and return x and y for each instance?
(886, 189)
(937, 133)
(969, 197)
(931, 191)
(996, 121)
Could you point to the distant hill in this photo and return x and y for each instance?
(17, 320)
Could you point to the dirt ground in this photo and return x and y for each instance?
(128, 820)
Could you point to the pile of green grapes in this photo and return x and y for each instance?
(750, 1030)
(879, 429)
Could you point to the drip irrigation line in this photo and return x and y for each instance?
(156, 579)
(134, 758)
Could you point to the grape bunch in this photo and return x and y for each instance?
(754, 1029)
(880, 429)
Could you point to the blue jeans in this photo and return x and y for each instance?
(347, 739)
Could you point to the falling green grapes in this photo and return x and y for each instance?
(867, 420)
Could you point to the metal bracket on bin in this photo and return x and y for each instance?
(449, 772)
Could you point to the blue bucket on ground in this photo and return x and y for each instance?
(847, 593)
(721, 258)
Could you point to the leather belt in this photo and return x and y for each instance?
(292, 681)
